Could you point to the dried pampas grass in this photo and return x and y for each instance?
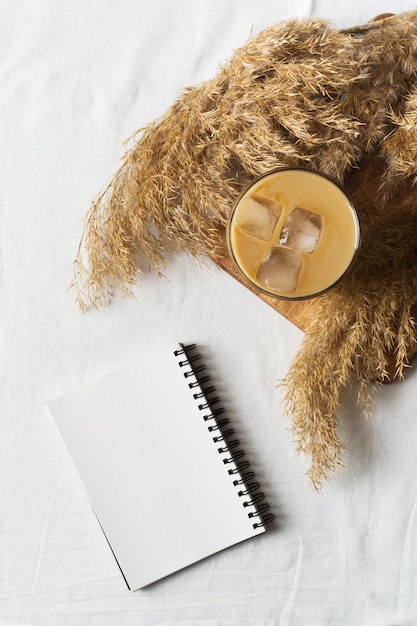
(299, 93)
(362, 332)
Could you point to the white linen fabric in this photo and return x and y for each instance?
(77, 78)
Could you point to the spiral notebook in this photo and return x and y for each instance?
(160, 465)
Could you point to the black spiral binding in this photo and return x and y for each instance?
(206, 403)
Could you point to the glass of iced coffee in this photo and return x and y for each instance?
(293, 233)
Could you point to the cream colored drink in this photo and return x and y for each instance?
(293, 233)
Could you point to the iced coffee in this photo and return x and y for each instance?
(293, 233)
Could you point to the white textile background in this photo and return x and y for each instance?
(77, 78)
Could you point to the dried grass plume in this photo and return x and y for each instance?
(298, 93)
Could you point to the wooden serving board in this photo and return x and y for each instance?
(298, 312)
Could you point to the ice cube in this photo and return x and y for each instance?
(257, 216)
(301, 230)
(280, 270)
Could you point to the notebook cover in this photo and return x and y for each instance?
(154, 476)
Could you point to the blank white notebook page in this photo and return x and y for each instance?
(153, 474)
